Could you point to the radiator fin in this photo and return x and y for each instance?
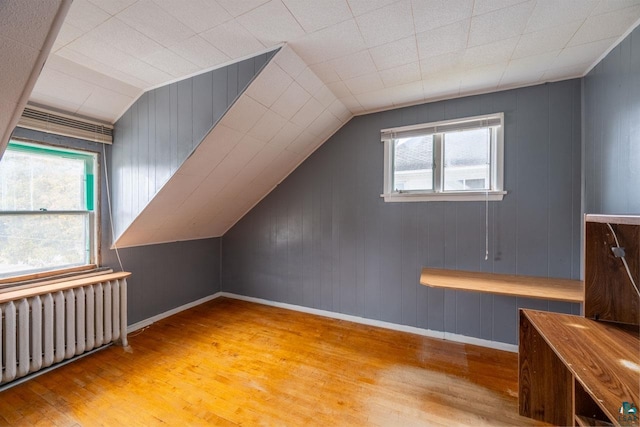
(39, 331)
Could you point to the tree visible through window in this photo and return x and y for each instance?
(46, 209)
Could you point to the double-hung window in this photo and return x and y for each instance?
(47, 208)
(459, 159)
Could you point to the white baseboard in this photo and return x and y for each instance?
(143, 323)
(381, 324)
(356, 319)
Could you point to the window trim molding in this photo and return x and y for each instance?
(497, 158)
(91, 209)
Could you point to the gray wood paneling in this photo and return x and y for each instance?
(612, 134)
(161, 129)
(363, 256)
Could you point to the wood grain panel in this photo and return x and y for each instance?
(609, 293)
(545, 384)
(602, 357)
(504, 284)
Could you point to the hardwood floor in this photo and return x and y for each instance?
(230, 362)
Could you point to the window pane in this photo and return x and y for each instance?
(30, 243)
(467, 155)
(32, 181)
(413, 163)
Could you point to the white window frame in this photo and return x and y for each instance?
(496, 191)
(92, 223)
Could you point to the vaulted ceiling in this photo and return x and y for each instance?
(372, 54)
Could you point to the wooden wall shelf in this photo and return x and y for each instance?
(505, 284)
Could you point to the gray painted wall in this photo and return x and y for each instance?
(161, 129)
(612, 131)
(325, 239)
(164, 276)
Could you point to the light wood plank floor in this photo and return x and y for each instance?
(230, 362)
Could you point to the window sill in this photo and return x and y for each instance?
(460, 196)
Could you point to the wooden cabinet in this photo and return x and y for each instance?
(585, 370)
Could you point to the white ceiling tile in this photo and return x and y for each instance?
(200, 52)
(339, 89)
(316, 15)
(123, 37)
(100, 67)
(352, 104)
(360, 7)
(222, 132)
(408, 93)
(271, 23)
(16, 58)
(285, 136)
(199, 15)
(57, 103)
(582, 53)
(85, 16)
(244, 114)
(268, 126)
(554, 74)
(154, 22)
(137, 68)
(447, 39)
(375, 99)
(547, 40)
(484, 6)
(552, 13)
(527, 70)
(500, 24)
(324, 125)
(401, 75)
(237, 8)
(113, 7)
(386, 24)
(291, 101)
(302, 143)
(233, 40)
(442, 63)
(58, 85)
(325, 72)
(101, 104)
(289, 61)
(309, 81)
(308, 113)
(606, 25)
(394, 54)
(32, 27)
(339, 110)
(482, 78)
(430, 14)
(209, 154)
(325, 96)
(354, 65)
(442, 86)
(67, 34)
(270, 84)
(610, 5)
(363, 84)
(171, 63)
(491, 53)
(329, 43)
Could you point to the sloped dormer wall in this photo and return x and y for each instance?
(161, 129)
